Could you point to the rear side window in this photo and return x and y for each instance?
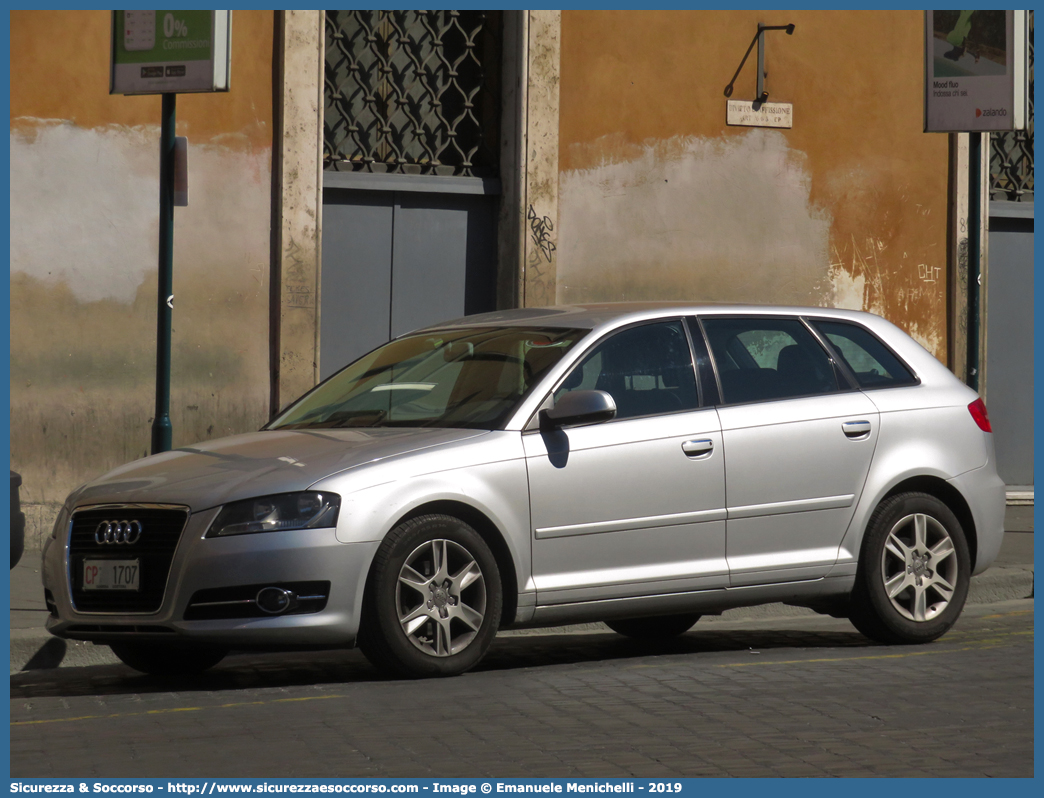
(760, 359)
(872, 363)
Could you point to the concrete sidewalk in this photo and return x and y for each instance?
(32, 648)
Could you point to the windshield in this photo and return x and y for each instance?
(472, 379)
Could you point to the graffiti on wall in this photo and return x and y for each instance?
(299, 293)
(540, 228)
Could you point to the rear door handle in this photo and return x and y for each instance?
(698, 448)
(856, 430)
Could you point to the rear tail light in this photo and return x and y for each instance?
(978, 412)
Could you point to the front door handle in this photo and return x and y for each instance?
(699, 448)
(856, 430)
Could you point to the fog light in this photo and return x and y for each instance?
(275, 600)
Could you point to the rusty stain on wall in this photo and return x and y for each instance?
(658, 196)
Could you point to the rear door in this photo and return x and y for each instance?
(798, 442)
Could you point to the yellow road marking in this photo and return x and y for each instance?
(172, 709)
(1007, 614)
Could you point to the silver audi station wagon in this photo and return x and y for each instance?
(638, 464)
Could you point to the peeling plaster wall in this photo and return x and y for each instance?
(84, 228)
(660, 199)
(721, 220)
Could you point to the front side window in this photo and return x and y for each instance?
(472, 379)
(760, 359)
(872, 363)
(647, 370)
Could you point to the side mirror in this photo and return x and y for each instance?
(579, 407)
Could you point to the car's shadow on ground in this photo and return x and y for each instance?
(240, 671)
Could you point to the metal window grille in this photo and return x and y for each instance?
(1011, 154)
(413, 92)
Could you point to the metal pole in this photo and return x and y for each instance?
(161, 428)
(760, 97)
(975, 188)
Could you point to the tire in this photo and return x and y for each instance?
(914, 571)
(658, 627)
(433, 599)
(164, 659)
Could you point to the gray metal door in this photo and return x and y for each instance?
(411, 143)
(394, 261)
(1009, 339)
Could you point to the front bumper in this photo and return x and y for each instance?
(209, 564)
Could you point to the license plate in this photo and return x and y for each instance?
(111, 575)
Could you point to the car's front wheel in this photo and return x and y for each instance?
(914, 571)
(657, 627)
(164, 659)
(433, 600)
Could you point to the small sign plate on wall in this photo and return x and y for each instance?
(754, 114)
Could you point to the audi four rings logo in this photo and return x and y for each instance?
(117, 532)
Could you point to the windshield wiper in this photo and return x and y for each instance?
(342, 420)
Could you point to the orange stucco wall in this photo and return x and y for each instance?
(659, 198)
(73, 84)
(84, 232)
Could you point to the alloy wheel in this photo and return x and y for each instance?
(919, 567)
(441, 598)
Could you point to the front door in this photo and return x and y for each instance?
(636, 505)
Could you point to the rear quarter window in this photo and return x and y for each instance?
(872, 363)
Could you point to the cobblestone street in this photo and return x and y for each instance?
(783, 697)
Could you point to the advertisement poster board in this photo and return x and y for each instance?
(975, 71)
(160, 52)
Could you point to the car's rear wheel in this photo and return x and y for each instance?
(164, 659)
(433, 599)
(914, 571)
(656, 627)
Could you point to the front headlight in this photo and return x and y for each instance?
(284, 511)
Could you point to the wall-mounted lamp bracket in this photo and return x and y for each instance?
(758, 39)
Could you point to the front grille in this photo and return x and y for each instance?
(160, 532)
